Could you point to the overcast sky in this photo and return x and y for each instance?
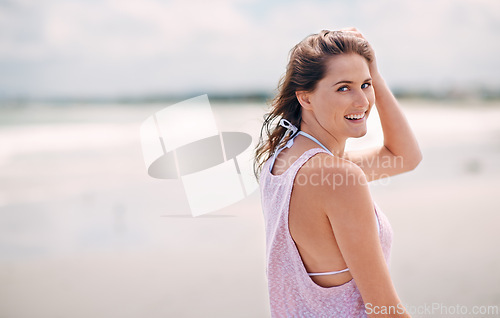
(135, 47)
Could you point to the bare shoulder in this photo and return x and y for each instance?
(337, 186)
(331, 174)
(349, 205)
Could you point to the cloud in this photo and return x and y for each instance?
(57, 47)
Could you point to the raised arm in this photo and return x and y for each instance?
(400, 151)
(350, 209)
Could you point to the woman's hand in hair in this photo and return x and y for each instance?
(400, 149)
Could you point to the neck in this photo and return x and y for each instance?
(335, 144)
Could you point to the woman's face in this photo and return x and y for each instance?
(342, 100)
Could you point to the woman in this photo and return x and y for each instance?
(328, 245)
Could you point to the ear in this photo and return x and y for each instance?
(303, 98)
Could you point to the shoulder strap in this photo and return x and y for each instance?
(294, 132)
(290, 130)
(315, 140)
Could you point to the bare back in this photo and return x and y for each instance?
(309, 225)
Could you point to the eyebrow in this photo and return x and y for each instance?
(350, 82)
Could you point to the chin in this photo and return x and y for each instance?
(359, 134)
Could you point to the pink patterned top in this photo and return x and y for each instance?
(292, 292)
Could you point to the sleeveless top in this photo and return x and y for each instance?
(292, 292)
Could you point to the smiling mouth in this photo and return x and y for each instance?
(356, 116)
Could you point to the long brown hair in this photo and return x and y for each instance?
(306, 66)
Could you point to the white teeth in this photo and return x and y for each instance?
(355, 116)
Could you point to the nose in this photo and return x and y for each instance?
(361, 99)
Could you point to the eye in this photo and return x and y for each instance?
(366, 85)
(343, 89)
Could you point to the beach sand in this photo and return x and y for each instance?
(85, 232)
